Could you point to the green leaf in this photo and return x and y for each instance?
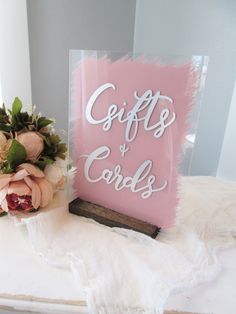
(46, 139)
(8, 169)
(3, 214)
(16, 107)
(5, 128)
(62, 148)
(16, 154)
(25, 117)
(3, 110)
(43, 122)
(54, 139)
(43, 162)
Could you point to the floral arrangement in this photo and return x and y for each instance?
(32, 160)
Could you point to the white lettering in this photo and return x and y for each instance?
(143, 110)
(142, 176)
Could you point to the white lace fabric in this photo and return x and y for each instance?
(123, 271)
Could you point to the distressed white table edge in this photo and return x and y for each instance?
(23, 303)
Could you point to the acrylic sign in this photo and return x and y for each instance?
(128, 119)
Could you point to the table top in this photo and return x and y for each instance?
(28, 283)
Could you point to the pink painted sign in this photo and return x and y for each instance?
(128, 119)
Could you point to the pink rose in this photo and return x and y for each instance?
(33, 144)
(24, 190)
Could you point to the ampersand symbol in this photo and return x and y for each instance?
(123, 149)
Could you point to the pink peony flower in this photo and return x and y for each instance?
(3, 139)
(33, 144)
(17, 202)
(5, 144)
(24, 190)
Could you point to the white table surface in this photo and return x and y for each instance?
(27, 283)
(215, 297)
(25, 276)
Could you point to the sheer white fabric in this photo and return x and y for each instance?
(123, 271)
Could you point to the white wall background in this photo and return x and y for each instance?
(55, 26)
(187, 27)
(14, 52)
(227, 164)
(1, 100)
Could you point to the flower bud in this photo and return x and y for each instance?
(33, 144)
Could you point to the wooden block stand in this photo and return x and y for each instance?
(111, 218)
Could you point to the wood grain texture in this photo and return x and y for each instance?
(111, 218)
